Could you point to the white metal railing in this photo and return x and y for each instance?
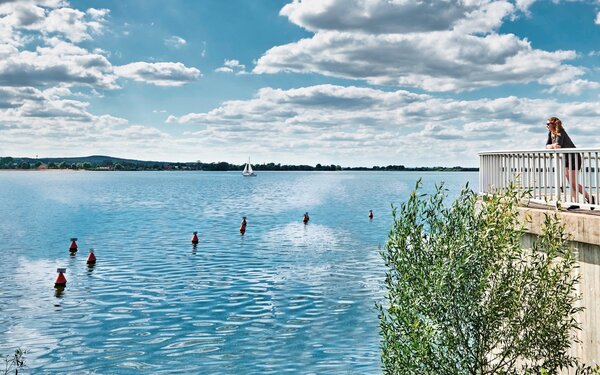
(544, 173)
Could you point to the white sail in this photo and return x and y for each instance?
(248, 172)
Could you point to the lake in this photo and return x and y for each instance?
(284, 298)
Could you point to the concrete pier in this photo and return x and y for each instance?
(584, 228)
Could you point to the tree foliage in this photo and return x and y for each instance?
(465, 297)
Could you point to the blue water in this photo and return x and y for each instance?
(285, 298)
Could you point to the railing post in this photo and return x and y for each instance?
(481, 172)
(556, 177)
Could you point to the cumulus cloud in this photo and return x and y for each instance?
(56, 62)
(52, 30)
(54, 121)
(328, 122)
(435, 61)
(431, 45)
(175, 41)
(160, 74)
(46, 72)
(232, 66)
(56, 57)
(597, 21)
(394, 16)
(574, 87)
(70, 23)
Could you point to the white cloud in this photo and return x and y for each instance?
(160, 74)
(574, 87)
(436, 61)
(430, 45)
(175, 41)
(232, 66)
(56, 122)
(70, 23)
(203, 52)
(335, 123)
(46, 72)
(524, 5)
(224, 69)
(391, 16)
(56, 62)
(57, 57)
(73, 24)
(26, 14)
(53, 58)
(97, 14)
(485, 18)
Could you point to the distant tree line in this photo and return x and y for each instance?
(107, 163)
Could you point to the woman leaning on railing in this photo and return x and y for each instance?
(558, 138)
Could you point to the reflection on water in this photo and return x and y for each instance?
(285, 297)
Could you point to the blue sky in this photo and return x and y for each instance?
(350, 82)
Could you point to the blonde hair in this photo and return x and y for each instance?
(556, 127)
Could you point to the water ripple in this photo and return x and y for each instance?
(285, 298)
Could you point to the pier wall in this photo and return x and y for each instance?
(584, 229)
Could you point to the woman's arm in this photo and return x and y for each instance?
(549, 143)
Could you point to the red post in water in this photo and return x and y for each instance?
(91, 258)
(243, 226)
(61, 280)
(195, 238)
(73, 247)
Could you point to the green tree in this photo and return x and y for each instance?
(6, 162)
(465, 297)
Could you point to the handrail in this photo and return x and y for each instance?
(554, 176)
(548, 151)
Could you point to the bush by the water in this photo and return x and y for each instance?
(464, 296)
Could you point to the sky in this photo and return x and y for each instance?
(348, 82)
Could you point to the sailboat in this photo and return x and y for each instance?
(248, 172)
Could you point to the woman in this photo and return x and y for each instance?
(558, 138)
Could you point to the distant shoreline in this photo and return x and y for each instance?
(234, 171)
(109, 163)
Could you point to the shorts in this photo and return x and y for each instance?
(573, 159)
